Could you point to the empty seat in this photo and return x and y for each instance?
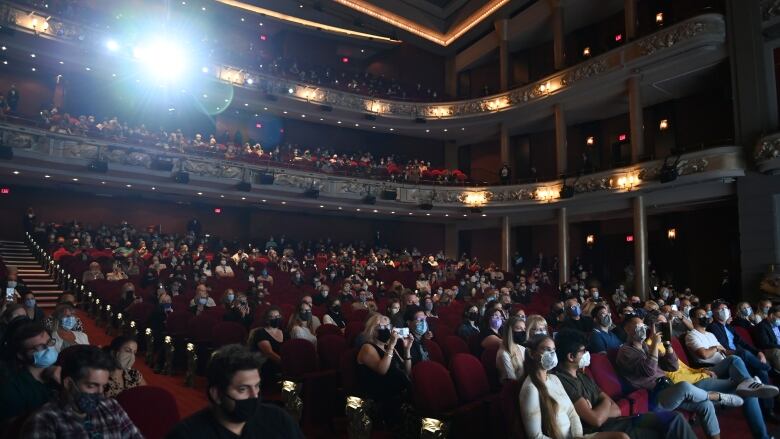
(152, 409)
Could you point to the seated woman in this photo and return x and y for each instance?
(239, 311)
(511, 354)
(384, 365)
(123, 349)
(267, 340)
(334, 315)
(489, 335)
(535, 325)
(32, 310)
(468, 328)
(545, 408)
(300, 324)
(93, 273)
(202, 300)
(63, 328)
(117, 273)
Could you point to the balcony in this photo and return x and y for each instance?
(44, 157)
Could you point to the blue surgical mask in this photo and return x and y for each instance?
(68, 322)
(29, 303)
(421, 327)
(709, 314)
(575, 310)
(45, 358)
(231, 297)
(202, 300)
(167, 306)
(776, 323)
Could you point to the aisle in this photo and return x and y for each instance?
(189, 400)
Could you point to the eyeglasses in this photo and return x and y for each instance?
(43, 346)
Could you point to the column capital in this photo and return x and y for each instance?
(502, 29)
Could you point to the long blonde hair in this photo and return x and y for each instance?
(369, 332)
(547, 404)
(532, 321)
(509, 345)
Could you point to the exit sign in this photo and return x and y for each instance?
(5, 191)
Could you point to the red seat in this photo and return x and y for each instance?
(299, 357)
(451, 345)
(358, 315)
(348, 371)
(177, 321)
(433, 390)
(488, 360)
(199, 329)
(434, 351)
(225, 333)
(152, 409)
(607, 379)
(140, 313)
(469, 377)
(682, 354)
(330, 347)
(328, 329)
(745, 334)
(352, 330)
(441, 330)
(510, 408)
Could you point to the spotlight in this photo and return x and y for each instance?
(112, 45)
(164, 60)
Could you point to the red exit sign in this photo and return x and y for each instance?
(629, 238)
(5, 191)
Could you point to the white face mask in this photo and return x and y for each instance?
(549, 360)
(585, 360)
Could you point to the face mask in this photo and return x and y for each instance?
(203, 301)
(496, 322)
(429, 307)
(275, 322)
(29, 303)
(363, 299)
(490, 299)
(506, 306)
(606, 321)
(88, 402)
(687, 310)
(585, 360)
(45, 358)
(703, 321)
(126, 360)
(167, 306)
(11, 284)
(304, 315)
(394, 310)
(765, 310)
(231, 297)
(724, 314)
(518, 337)
(421, 327)
(243, 409)
(324, 293)
(776, 323)
(265, 272)
(549, 360)
(222, 262)
(747, 312)
(595, 295)
(709, 314)
(68, 322)
(640, 333)
(575, 310)
(541, 332)
(383, 334)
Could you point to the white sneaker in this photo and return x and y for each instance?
(752, 387)
(729, 400)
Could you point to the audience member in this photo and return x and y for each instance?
(469, 327)
(768, 337)
(511, 354)
(267, 342)
(602, 339)
(123, 349)
(418, 328)
(64, 331)
(300, 325)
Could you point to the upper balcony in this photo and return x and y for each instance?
(677, 54)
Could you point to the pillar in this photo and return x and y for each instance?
(636, 119)
(58, 99)
(560, 140)
(640, 247)
(629, 9)
(451, 241)
(503, 139)
(502, 33)
(506, 243)
(559, 43)
(563, 246)
(450, 78)
(450, 155)
(752, 74)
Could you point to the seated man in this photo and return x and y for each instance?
(574, 318)
(223, 269)
(418, 327)
(81, 409)
(602, 339)
(30, 385)
(643, 367)
(768, 336)
(233, 376)
(595, 408)
(754, 359)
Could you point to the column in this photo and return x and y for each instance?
(563, 246)
(450, 78)
(58, 99)
(640, 247)
(503, 140)
(561, 159)
(629, 8)
(502, 33)
(559, 43)
(752, 74)
(506, 243)
(636, 119)
(451, 241)
(450, 155)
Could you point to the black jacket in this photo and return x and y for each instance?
(719, 331)
(764, 336)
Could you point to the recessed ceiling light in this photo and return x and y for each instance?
(256, 114)
(321, 119)
(427, 214)
(463, 129)
(339, 207)
(221, 196)
(261, 23)
(5, 62)
(427, 131)
(113, 75)
(338, 122)
(265, 108)
(284, 202)
(102, 182)
(154, 188)
(200, 193)
(375, 211)
(226, 100)
(16, 172)
(445, 130)
(263, 201)
(33, 69)
(362, 51)
(285, 112)
(392, 129)
(393, 212)
(4, 48)
(242, 19)
(203, 8)
(87, 69)
(47, 176)
(75, 179)
(321, 206)
(358, 209)
(128, 185)
(246, 105)
(32, 55)
(357, 124)
(484, 214)
(465, 214)
(303, 115)
(243, 198)
(411, 213)
(446, 214)
(373, 128)
(62, 62)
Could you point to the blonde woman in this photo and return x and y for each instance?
(511, 354)
(535, 325)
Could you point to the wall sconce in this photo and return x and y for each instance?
(659, 18)
(663, 125)
(39, 26)
(671, 234)
(474, 199)
(497, 103)
(433, 428)
(586, 52)
(590, 141)
(628, 182)
(547, 194)
(545, 88)
(590, 240)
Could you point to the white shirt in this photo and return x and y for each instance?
(299, 332)
(695, 340)
(224, 270)
(506, 370)
(531, 412)
(81, 338)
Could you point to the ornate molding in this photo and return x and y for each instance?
(769, 9)
(668, 38)
(768, 148)
(584, 71)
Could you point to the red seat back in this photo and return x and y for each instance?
(348, 371)
(488, 360)
(434, 351)
(510, 408)
(177, 321)
(682, 354)
(225, 333)
(330, 347)
(299, 357)
(469, 377)
(199, 328)
(433, 390)
(352, 330)
(328, 329)
(358, 315)
(451, 345)
(744, 334)
(139, 312)
(605, 377)
(152, 409)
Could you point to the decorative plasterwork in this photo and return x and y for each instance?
(668, 38)
(768, 148)
(770, 9)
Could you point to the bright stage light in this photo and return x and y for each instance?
(112, 45)
(164, 60)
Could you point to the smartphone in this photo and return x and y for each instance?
(402, 332)
(666, 332)
(674, 308)
(10, 294)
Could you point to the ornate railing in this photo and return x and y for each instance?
(767, 154)
(34, 143)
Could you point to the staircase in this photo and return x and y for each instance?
(45, 288)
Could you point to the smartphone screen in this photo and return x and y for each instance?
(674, 308)
(403, 332)
(9, 294)
(666, 332)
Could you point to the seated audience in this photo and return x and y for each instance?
(239, 311)
(511, 354)
(300, 325)
(93, 273)
(267, 342)
(767, 337)
(235, 410)
(395, 313)
(602, 339)
(224, 270)
(31, 308)
(116, 273)
(597, 411)
(418, 328)
(469, 327)
(333, 316)
(745, 317)
(202, 300)
(123, 349)
(489, 332)
(535, 325)
(574, 318)
(65, 298)
(315, 321)
(754, 359)
(64, 331)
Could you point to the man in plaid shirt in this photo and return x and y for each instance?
(82, 411)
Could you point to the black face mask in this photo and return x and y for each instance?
(336, 309)
(703, 321)
(275, 322)
(243, 409)
(305, 315)
(383, 334)
(473, 316)
(518, 337)
(506, 306)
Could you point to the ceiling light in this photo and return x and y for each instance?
(154, 188)
(284, 202)
(15, 172)
(5, 62)
(446, 214)
(285, 112)
(358, 209)
(243, 198)
(463, 129)
(375, 211)
(200, 193)
(250, 81)
(33, 69)
(102, 182)
(321, 206)
(128, 185)
(339, 207)
(242, 19)
(112, 45)
(75, 179)
(484, 214)
(303, 115)
(221, 196)
(246, 105)
(427, 131)
(321, 119)
(265, 108)
(445, 130)
(338, 122)
(87, 69)
(290, 90)
(411, 213)
(357, 124)
(47, 176)
(373, 128)
(465, 214)
(427, 214)
(393, 212)
(392, 129)
(3, 48)
(204, 69)
(32, 55)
